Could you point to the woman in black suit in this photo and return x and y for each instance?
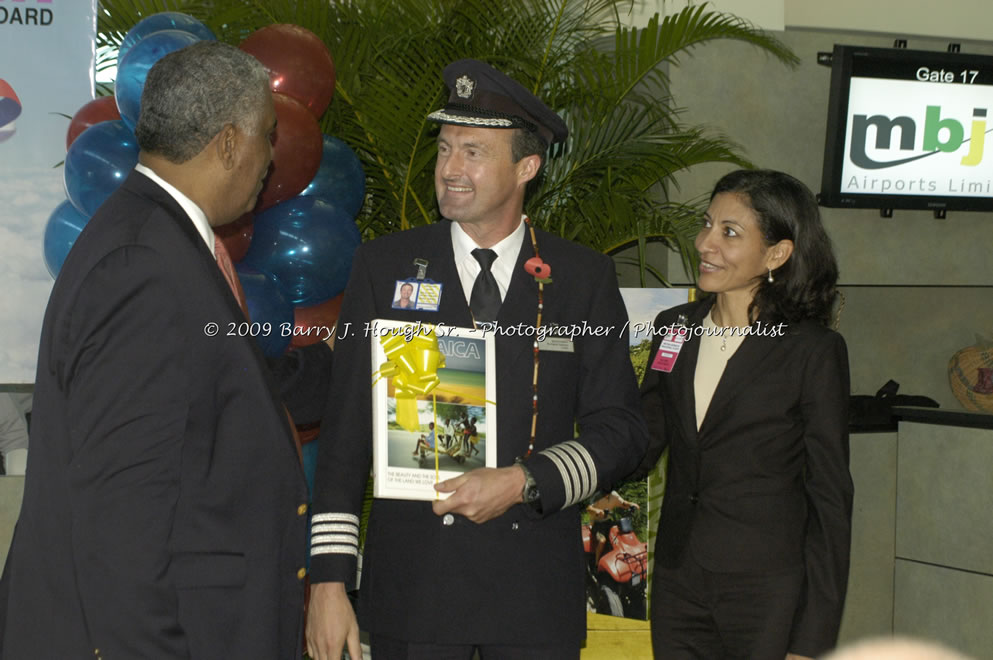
(752, 553)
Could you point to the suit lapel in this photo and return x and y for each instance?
(520, 305)
(683, 374)
(741, 369)
(142, 185)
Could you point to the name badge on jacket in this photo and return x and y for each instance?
(669, 349)
(556, 344)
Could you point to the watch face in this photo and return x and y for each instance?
(531, 494)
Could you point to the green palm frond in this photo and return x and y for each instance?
(607, 187)
(638, 54)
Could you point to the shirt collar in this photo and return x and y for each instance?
(507, 250)
(194, 212)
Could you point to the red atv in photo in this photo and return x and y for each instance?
(616, 560)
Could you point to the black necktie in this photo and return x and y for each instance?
(485, 299)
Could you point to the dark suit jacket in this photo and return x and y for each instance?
(515, 579)
(764, 483)
(161, 510)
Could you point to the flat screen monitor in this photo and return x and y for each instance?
(908, 129)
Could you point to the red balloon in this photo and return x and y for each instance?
(237, 236)
(298, 63)
(296, 152)
(100, 109)
(316, 318)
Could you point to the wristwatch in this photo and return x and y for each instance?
(530, 494)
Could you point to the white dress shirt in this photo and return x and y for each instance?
(194, 212)
(506, 250)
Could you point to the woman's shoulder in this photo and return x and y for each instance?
(814, 335)
(809, 328)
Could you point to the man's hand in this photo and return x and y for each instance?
(331, 623)
(793, 656)
(625, 504)
(482, 494)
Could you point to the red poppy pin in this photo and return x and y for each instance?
(538, 269)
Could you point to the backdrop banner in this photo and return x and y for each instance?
(47, 58)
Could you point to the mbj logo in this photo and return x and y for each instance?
(14, 12)
(934, 142)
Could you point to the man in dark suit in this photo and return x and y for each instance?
(497, 566)
(164, 509)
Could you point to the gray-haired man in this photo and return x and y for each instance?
(164, 509)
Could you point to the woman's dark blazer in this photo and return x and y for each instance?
(764, 484)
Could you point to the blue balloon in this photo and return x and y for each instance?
(166, 20)
(307, 245)
(339, 179)
(61, 232)
(266, 305)
(133, 69)
(97, 163)
(309, 454)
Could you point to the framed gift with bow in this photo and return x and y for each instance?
(433, 406)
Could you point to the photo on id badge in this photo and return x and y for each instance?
(420, 295)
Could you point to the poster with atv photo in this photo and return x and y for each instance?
(619, 526)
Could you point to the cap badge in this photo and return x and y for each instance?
(464, 86)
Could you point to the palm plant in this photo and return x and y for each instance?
(608, 186)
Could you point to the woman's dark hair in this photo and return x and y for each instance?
(805, 286)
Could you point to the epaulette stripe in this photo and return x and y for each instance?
(577, 468)
(335, 517)
(326, 528)
(564, 471)
(334, 539)
(335, 550)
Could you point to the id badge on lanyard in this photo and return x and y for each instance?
(669, 349)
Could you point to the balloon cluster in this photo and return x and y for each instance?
(293, 253)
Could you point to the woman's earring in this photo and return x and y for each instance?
(770, 278)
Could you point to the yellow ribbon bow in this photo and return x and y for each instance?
(413, 367)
